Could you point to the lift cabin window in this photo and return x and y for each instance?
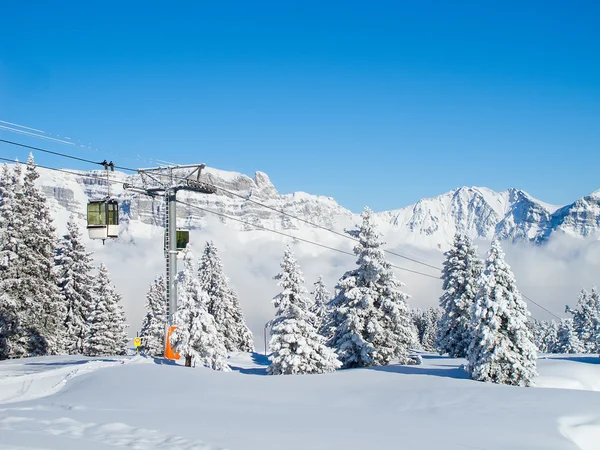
(112, 213)
(96, 214)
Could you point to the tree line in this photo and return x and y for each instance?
(481, 316)
(52, 298)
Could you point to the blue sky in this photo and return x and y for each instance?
(373, 103)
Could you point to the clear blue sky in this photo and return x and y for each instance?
(373, 103)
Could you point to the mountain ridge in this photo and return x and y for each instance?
(480, 212)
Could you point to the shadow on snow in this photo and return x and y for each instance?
(75, 362)
(445, 372)
(261, 360)
(592, 359)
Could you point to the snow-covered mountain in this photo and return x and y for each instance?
(430, 223)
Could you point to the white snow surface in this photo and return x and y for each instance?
(143, 403)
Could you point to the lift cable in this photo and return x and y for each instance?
(540, 306)
(64, 155)
(78, 174)
(308, 241)
(308, 222)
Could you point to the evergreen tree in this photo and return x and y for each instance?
(319, 307)
(418, 320)
(40, 241)
(370, 318)
(461, 270)
(74, 270)
(33, 311)
(296, 346)
(586, 320)
(534, 326)
(548, 336)
(431, 319)
(106, 324)
(9, 235)
(223, 302)
(154, 324)
(120, 325)
(196, 336)
(567, 341)
(502, 350)
(426, 325)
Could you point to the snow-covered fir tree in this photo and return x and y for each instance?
(295, 344)
(369, 317)
(426, 325)
(154, 324)
(34, 308)
(502, 349)
(106, 334)
(461, 270)
(548, 336)
(534, 326)
(74, 270)
(322, 297)
(223, 302)
(586, 320)
(9, 234)
(567, 339)
(41, 242)
(196, 337)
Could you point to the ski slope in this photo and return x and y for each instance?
(145, 403)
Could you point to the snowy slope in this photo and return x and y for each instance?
(146, 404)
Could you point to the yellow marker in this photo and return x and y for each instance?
(137, 341)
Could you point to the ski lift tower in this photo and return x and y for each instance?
(168, 180)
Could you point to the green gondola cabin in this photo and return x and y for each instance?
(103, 219)
(183, 239)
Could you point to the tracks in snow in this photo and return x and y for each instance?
(111, 434)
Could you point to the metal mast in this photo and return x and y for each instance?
(168, 180)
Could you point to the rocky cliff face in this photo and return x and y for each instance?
(430, 223)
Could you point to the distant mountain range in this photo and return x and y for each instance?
(430, 223)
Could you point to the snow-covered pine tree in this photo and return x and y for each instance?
(296, 346)
(417, 317)
(74, 270)
(369, 314)
(501, 350)
(567, 341)
(462, 268)
(196, 337)
(586, 320)
(223, 302)
(538, 328)
(40, 240)
(28, 281)
(154, 324)
(9, 230)
(548, 336)
(431, 319)
(322, 298)
(420, 325)
(106, 334)
(534, 326)
(120, 325)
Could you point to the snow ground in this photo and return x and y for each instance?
(145, 403)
